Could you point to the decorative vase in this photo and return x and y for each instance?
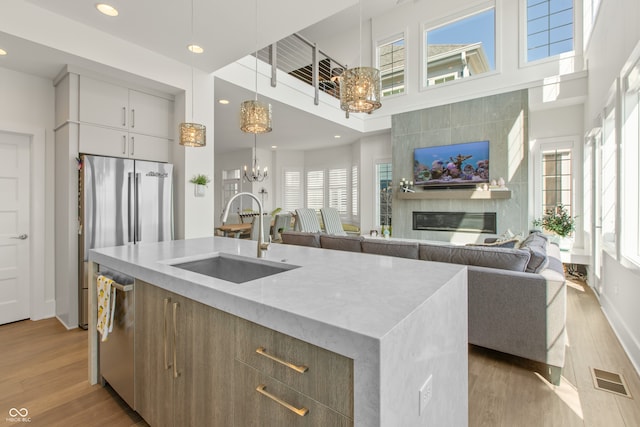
(199, 190)
(565, 243)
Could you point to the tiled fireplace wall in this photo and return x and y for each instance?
(501, 119)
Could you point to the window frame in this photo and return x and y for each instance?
(524, 41)
(376, 191)
(477, 8)
(301, 188)
(389, 40)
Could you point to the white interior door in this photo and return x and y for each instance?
(14, 227)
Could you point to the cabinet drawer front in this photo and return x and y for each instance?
(318, 373)
(275, 406)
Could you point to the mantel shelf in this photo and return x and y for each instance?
(456, 194)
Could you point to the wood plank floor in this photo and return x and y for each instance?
(43, 367)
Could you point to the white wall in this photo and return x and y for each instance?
(615, 34)
(27, 106)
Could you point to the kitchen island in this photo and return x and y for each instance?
(402, 323)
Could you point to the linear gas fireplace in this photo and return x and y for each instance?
(466, 222)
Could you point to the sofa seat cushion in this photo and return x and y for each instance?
(396, 248)
(341, 243)
(537, 244)
(301, 238)
(481, 256)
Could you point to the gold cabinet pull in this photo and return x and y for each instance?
(164, 335)
(262, 390)
(176, 374)
(298, 368)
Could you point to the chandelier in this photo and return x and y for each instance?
(192, 134)
(360, 86)
(255, 116)
(256, 174)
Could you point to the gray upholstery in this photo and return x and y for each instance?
(537, 244)
(341, 243)
(301, 238)
(509, 310)
(391, 248)
(486, 256)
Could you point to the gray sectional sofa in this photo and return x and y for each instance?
(516, 296)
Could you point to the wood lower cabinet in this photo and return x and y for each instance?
(184, 360)
(295, 373)
(198, 366)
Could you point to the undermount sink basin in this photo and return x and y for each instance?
(233, 268)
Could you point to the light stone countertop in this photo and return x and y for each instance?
(350, 303)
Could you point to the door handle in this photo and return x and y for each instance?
(20, 237)
(133, 141)
(167, 301)
(176, 374)
(133, 118)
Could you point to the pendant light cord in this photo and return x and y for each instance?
(192, 33)
(256, 50)
(360, 23)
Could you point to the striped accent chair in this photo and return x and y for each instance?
(307, 220)
(332, 222)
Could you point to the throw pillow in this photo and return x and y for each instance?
(536, 244)
(496, 243)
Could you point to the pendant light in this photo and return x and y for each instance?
(193, 134)
(360, 86)
(256, 175)
(255, 116)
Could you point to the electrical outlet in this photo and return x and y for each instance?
(425, 394)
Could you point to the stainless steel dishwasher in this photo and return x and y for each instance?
(117, 352)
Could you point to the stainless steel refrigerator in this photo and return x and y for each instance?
(121, 201)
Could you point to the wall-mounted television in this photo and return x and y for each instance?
(451, 166)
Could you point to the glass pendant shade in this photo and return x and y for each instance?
(255, 117)
(360, 90)
(193, 135)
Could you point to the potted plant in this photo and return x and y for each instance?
(558, 221)
(200, 182)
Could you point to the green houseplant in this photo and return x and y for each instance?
(200, 179)
(557, 220)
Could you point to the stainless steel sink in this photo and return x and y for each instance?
(233, 268)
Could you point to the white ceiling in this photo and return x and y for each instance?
(163, 26)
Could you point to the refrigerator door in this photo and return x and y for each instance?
(107, 208)
(153, 201)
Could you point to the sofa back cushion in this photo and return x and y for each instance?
(301, 238)
(341, 243)
(482, 256)
(536, 244)
(390, 248)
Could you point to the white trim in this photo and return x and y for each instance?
(403, 35)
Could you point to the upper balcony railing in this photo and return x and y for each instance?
(302, 59)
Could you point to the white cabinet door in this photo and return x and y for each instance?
(145, 147)
(103, 141)
(150, 115)
(103, 103)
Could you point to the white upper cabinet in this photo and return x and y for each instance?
(108, 104)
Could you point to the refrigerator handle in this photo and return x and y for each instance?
(130, 207)
(138, 213)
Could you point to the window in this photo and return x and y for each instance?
(391, 63)
(338, 190)
(384, 194)
(630, 245)
(230, 187)
(354, 191)
(549, 28)
(556, 180)
(608, 169)
(292, 190)
(460, 49)
(315, 189)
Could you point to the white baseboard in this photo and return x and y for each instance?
(629, 343)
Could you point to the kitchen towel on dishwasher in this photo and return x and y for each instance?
(106, 305)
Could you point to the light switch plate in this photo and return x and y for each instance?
(425, 393)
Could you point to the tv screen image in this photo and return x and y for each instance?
(448, 166)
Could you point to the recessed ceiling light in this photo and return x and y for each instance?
(223, 101)
(3, 52)
(273, 147)
(337, 136)
(107, 9)
(195, 48)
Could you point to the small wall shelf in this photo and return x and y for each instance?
(456, 194)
